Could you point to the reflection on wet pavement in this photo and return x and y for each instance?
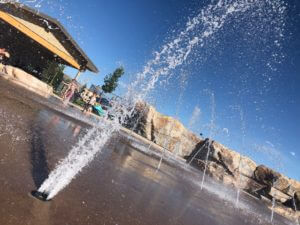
(121, 186)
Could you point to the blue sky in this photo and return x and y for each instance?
(234, 65)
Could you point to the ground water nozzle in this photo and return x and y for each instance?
(40, 196)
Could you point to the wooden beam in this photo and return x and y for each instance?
(77, 75)
(36, 37)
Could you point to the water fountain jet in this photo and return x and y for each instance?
(272, 210)
(40, 196)
(172, 55)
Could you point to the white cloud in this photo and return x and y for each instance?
(293, 153)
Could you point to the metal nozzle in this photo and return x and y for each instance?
(40, 196)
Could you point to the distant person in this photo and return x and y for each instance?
(70, 91)
(4, 55)
(89, 106)
(99, 97)
(76, 130)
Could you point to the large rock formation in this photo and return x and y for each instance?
(221, 163)
(272, 179)
(163, 130)
(266, 175)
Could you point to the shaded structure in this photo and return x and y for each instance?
(35, 39)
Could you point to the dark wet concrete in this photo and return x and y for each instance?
(121, 186)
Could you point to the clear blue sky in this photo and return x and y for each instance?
(232, 66)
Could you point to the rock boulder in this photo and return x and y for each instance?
(294, 202)
(295, 185)
(271, 178)
(266, 176)
(297, 200)
(232, 162)
(165, 131)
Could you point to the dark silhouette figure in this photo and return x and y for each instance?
(40, 170)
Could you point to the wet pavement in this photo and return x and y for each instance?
(121, 186)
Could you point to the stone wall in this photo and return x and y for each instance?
(25, 80)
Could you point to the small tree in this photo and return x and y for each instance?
(58, 78)
(82, 88)
(111, 80)
(53, 74)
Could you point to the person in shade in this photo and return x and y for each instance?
(4, 55)
(89, 106)
(70, 91)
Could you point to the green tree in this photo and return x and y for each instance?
(58, 78)
(53, 74)
(48, 72)
(111, 80)
(82, 88)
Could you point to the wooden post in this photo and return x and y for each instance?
(77, 75)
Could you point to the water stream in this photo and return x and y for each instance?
(211, 132)
(272, 210)
(243, 131)
(173, 54)
(295, 207)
